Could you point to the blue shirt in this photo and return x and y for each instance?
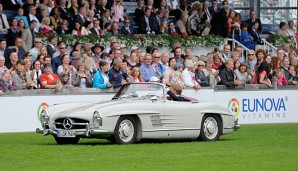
(147, 72)
(98, 81)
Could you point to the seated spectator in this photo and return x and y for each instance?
(243, 75)
(188, 75)
(90, 17)
(21, 26)
(173, 29)
(107, 30)
(6, 83)
(21, 78)
(147, 70)
(207, 28)
(133, 60)
(45, 28)
(88, 26)
(115, 28)
(283, 29)
(101, 78)
(105, 18)
(79, 30)
(32, 17)
(146, 23)
(293, 80)
(245, 38)
(34, 51)
(48, 80)
(126, 29)
(2, 65)
(201, 78)
(262, 75)
(55, 18)
(227, 75)
(281, 79)
(260, 53)
(217, 60)
(182, 23)
(164, 28)
(175, 93)
(12, 61)
(285, 66)
(251, 60)
(62, 29)
(4, 26)
(135, 75)
(157, 65)
(174, 8)
(118, 11)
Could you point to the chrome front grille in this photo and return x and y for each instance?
(70, 123)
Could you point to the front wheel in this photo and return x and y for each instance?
(125, 130)
(63, 140)
(211, 128)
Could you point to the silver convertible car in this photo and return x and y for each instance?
(137, 111)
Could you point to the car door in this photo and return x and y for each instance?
(180, 115)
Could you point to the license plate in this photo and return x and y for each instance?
(61, 133)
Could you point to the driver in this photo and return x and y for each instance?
(175, 93)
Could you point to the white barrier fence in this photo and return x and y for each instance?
(20, 113)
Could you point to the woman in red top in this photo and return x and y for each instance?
(48, 80)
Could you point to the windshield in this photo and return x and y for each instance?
(141, 90)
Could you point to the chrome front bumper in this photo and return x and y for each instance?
(89, 132)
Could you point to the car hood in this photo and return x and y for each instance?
(70, 109)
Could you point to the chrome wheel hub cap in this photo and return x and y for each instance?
(210, 128)
(126, 130)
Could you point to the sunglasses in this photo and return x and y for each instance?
(37, 42)
(156, 56)
(251, 54)
(201, 65)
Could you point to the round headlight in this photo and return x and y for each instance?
(44, 117)
(97, 119)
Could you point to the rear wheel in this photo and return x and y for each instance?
(125, 130)
(63, 140)
(211, 128)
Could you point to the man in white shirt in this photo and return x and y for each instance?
(31, 16)
(34, 51)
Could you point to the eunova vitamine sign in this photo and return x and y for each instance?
(261, 107)
(21, 113)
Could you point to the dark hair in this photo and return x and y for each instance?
(78, 23)
(86, 23)
(102, 63)
(282, 24)
(35, 62)
(263, 67)
(47, 56)
(171, 60)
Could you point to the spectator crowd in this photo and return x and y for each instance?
(28, 63)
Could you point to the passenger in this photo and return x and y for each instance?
(175, 93)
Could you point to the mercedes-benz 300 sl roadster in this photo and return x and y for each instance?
(137, 111)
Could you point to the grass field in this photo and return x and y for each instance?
(253, 147)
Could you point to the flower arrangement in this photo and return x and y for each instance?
(279, 41)
(143, 40)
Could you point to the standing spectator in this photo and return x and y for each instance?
(219, 22)
(81, 16)
(213, 9)
(243, 75)
(262, 74)
(36, 73)
(207, 14)
(21, 16)
(48, 80)
(196, 21)
(188, 75)
(139, 11)
(84, 75)
(21, 78)
(95, 8)
(147, 70)
(174, 8)
(117, 76)
(136, 75)
(6, 83)
(4, 26)
(126, 29)
(253, 18)
(65, 14)
(32, 17)
(118, 11)
(227, 75)
(101, 78)
(28, 36)
(73, 7)
(34, 51)
(12, 32)
(51, 47)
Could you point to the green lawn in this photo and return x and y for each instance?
(253, 147)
